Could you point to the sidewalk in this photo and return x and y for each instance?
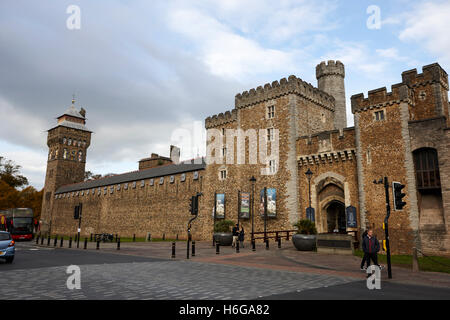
(287, 259)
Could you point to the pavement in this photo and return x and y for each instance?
(146, 271)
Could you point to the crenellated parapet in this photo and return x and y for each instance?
(292, 85)
(221, 119)
(379, 98)
(330, 68)
(432, 73)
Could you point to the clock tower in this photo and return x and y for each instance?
(67, 142)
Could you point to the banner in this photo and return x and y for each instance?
(350, 213)
(245, 206)
(271, 203)
(220, 206)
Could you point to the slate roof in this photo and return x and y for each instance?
(70, 124)
(73, 112)
(164, 170)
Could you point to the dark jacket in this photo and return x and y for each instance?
(370, 245)
(235, 231)
(241, 235)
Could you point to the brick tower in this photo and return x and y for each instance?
(67, 142)
(330, 79)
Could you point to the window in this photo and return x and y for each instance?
(223, 132)
(183, 177)
(379, 115)
(172, 179)
(224, 152)
(223, 174)
(161, 180)
(134, 185)
(142, 183)
(118, 187)
(427, 169)
(64, 140)
(65, 154)
(69, 142)
(80, 156)
(195, 175)
(152, 181)
(272, 166)
(125, 187)
(87, 192)
(111, 189)
(270, 112)
(270, 134)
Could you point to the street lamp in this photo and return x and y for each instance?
(253, 181)
(309, 175)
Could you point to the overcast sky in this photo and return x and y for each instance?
(145, 69)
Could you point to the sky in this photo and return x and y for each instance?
(149, 72)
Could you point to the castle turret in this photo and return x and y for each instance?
(67, 142)
(330, 79)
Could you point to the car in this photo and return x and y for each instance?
(7, 247)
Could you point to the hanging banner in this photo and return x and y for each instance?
(245, 206)
(350, 213)
(220, 206)
(271, 202)
(261, 203)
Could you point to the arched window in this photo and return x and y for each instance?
(65, 154)
(69, 142)
(80, 156)
(427, 169)
(64, 140)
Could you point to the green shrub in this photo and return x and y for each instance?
(306, 226)
(223, 226)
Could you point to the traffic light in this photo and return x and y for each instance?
(76, 214)
(193, 206)
(398, 195)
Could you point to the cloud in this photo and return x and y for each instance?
(426, 25)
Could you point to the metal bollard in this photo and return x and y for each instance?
(279, 243)
(62, 242)
(56, 241)
(134, 238)
(164, 237)
(267, 244)
(42, 241)
(217, 248)
(37, 239)
(85, 243)
(173, 250)
(193, 249)
(118, 244)
(237, 246)
(90, 238)
(48, 240)
(116, 237)
(253, 245)
(98, 244)
(70, 242)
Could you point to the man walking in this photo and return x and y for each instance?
(235, 232)
(365, 258)
(371, 246)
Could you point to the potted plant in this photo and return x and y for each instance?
(222, 232)
(305, 239)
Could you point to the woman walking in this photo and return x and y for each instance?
(241, 237)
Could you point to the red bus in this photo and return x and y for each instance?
(18, 222)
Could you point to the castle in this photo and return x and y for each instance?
(403, 135)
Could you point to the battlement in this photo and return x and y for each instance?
(431, 73)
(221, 119)
(292, 85)
(330, 68)
(380, 97)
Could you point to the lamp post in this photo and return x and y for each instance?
(309, 175)
(253, 181)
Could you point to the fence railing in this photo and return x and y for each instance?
(278, 234)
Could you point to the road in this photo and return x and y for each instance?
(40, 273)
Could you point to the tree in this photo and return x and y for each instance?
(10, 173)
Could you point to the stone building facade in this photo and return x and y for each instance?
(275, 133)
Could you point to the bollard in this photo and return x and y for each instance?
(164, 237)
(287, 237)
(98, 244)
(37, 239)
(253, 245)
(217, 247)
(193, 248)
(116, 237)
(85, 243)
(62, 242)
(134, 238)
(70, 242)
(118, 244)
(56, 241)
(42, 241)
(90, 238)
(267, 244)
(279, 243)
(173, 250)
(237, 246)
(48, 240)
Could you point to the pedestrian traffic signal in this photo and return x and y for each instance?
(398, 195)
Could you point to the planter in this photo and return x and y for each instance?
(224, 238)
(304, 242)
(335, 243)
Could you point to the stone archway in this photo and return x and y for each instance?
(335, 213)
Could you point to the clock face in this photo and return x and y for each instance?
(195, 175)
(183, 177)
